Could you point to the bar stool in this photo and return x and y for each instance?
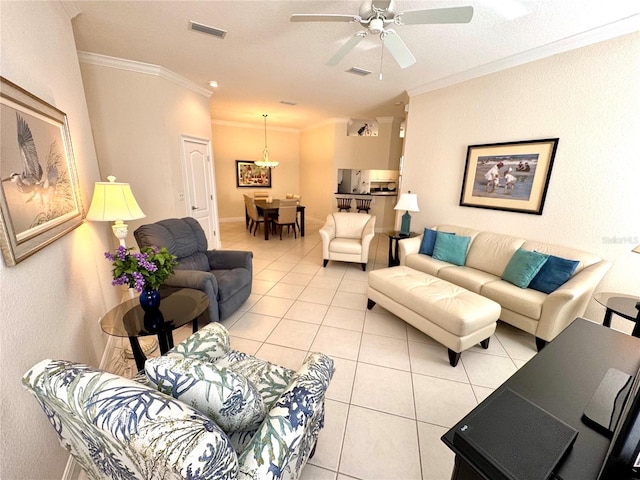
(344, 203)
(363, 204)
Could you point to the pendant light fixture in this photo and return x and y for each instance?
(265, 162)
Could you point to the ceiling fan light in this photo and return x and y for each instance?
(376, 26)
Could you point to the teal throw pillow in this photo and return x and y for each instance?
(226, 397)
(451, 248)
(429, 241)
(523, 266)
(554, 273)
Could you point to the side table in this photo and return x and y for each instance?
(625, 306)
(394, 237)
(178, 306)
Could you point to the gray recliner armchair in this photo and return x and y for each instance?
(224, 275)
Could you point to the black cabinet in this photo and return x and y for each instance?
(562, 379)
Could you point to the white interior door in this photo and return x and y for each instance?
(200, 195)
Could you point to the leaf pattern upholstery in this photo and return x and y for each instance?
(224, 396)
(118, 428)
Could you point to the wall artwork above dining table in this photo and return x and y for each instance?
(248, 174)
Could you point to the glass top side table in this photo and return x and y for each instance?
(394, 238)
(623, 305)
(178, 306)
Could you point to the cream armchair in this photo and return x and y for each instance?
(346, 237)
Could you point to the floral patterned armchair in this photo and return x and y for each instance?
(268, 416)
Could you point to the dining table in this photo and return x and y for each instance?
(271, 209)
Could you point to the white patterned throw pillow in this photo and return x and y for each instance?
(226, 397)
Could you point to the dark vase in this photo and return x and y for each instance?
(150, 299)
(150, 303)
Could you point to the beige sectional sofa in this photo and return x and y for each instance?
(541, 314)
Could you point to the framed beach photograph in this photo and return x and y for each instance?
(511, 176)
(248, 174)
(39, 197)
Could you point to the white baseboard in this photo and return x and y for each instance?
(73, 471)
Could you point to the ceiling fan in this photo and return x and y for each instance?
(376, 15)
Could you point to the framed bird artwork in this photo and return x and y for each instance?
(40, 198)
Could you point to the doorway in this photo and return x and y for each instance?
(199, 184)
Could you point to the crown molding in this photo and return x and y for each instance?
(141, 67)
(612, 30)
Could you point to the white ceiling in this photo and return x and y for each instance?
(265, 59)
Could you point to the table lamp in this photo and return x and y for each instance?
(114, 202)
(409, 203)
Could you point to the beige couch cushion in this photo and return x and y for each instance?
(491, 252)
(425, 263)
(462, 231)
(585, 258)
(350, 225)
(351, 246)
(466, 277)
(524, 301)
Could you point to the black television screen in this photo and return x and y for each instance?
(622, 461)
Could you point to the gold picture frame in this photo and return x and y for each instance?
(250, 175)
(512, 176)
(39, 191)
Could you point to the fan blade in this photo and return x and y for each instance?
(321, 17)
(438, 15)
(397, 48)
(347, 47)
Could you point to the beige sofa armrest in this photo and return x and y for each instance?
(409, 245)
(327, 232)
(569, 301)
(368, 232)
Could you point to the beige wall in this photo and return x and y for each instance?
(235, 141)
(50, 303)
(590, 99)
(137, 121)
(369, 153)
(317, 169)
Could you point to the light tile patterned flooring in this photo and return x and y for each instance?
(394, 393)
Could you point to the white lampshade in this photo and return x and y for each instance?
(408, 202)
(113, 201)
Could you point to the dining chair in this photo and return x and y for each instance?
(344, 203)
(246, 208)
(255, 218)
(297, 197)
(287, 216)
(363, 204)
(260, 194)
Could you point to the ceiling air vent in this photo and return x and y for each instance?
(199, 27)
(359, 71)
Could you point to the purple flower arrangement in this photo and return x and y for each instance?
(148, 268)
